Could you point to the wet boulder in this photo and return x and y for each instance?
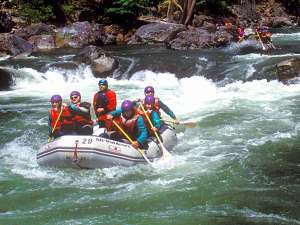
(6, 80)
(60, 66)
(192, 39)
(101, 64)
(35, 29)
(42, 42)
(157, 32)
(80, 34)
(288, 69)
(14, 45)
(280, 22)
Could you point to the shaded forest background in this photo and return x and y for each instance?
(126, 12)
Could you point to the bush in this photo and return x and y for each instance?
(36, 11)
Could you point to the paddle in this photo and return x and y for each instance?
(165, 152)
(262, 44)
(55, 124)
(131, 141)
(187, 124)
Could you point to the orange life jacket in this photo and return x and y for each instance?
(129, 126)
(54, 116)
(67, 118)
(81, 118)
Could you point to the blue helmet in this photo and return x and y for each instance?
(127, 105)
(103, 82)
(149, 89)
(75, 93)
(56, 98)
(149, 100)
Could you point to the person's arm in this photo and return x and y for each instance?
(155, 120)
(166, 109)
(143, 133)
(95, 102)
(116, 113)
(49, 124)
(112, 100)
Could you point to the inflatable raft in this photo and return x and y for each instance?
(88, 152)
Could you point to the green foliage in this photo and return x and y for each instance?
(127, 7)
(36, 11)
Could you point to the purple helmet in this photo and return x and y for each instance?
(103, 82)
(149, 100)
(56, 98)
(75, 93)
(149, 89)
(126, 106)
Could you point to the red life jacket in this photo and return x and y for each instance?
(129, 126)
(111, 105)
(80, 118)
(156, 106)
(54, 116)
(67, 118)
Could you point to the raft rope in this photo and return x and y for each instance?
(75, 155)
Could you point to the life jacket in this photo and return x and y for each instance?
(129, 126)
(67, 121)
(156, 106)
(82, 118)
(146, 122)
(106, 100)
(54, 116)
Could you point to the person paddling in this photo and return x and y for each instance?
(158, 104)
(83, 124)
(149, 102)
(60, 118)
(132, 122)
(104, 101)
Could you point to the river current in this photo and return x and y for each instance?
(239, 165)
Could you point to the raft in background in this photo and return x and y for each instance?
(89, 152)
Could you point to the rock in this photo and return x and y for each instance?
(288, 69)
(199, 20)
(42, 42)
(103, 66)
(14, 45)
(6, 22)
(88, 54)
(60, 65)
(80, 34)
(158, 32)
(222, 38)
(6, 80)
(35, 29)
(192, 39)
(280, 22)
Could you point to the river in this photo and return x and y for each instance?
(240, 165)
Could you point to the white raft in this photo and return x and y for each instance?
(88, 152)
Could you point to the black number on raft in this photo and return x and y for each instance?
(84, 141)
(90, 141)
(87, 141)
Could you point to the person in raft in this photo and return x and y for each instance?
(104, 102)
(149, 102)
(132, 123)
(158, 104)
(81, 116)
(60, 118)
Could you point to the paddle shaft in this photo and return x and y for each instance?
(55, 124)
(131, 141)
(262, 44)
(164, 150)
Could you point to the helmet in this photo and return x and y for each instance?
(103, 82)
(56, 98)
(149, 89)
(126, 106)
(149, 100)
(75, 93)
